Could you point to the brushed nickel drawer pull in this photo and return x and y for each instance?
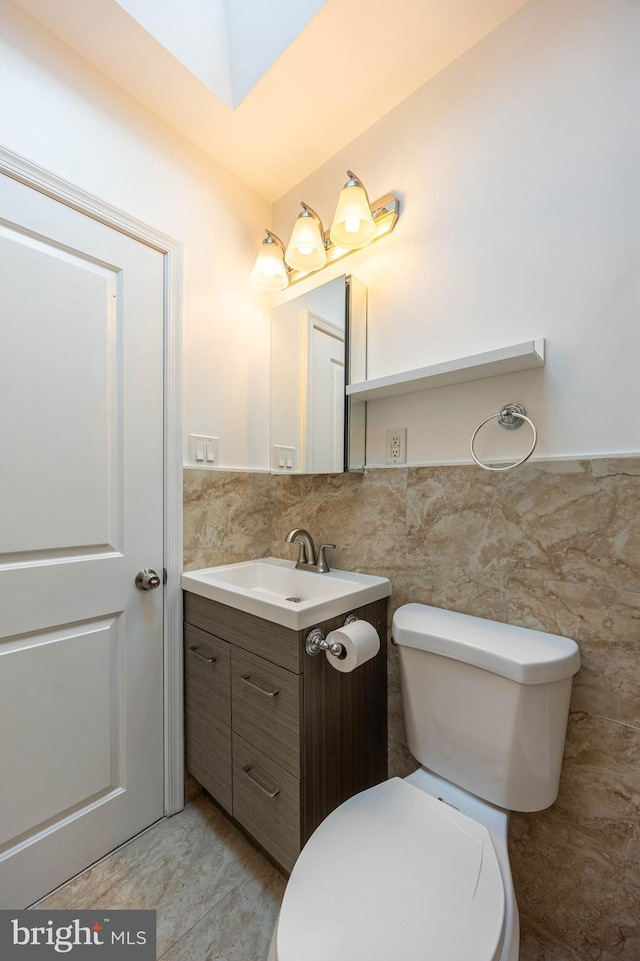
(203, 656)
(271, 793)
(256, 687)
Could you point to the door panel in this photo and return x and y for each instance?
(81, 511)
(46, 710)
(63, 402)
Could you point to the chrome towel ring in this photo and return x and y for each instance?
(511, 416)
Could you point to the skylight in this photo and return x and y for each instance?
(227, 44)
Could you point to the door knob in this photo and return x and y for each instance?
(147, 579)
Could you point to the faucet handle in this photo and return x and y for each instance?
(323, 566)
(302, 553)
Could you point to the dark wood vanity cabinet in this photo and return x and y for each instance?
(279, 738)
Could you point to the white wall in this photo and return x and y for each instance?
(517, 172)
(517, 169)
(60, 113)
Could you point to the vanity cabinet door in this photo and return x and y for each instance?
(267, 802)
(207, 681)
(267, 704)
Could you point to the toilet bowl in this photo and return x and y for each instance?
(410, 869)
(417, 869)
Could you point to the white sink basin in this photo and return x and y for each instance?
(274, 589)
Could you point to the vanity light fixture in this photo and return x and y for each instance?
(270, 271)
(356, 224)
(353, 225)
(306, 250)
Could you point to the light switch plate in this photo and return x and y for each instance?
(283, 458)
(203, 451)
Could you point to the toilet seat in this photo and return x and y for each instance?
(394, 873)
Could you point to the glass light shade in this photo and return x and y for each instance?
(306, 247)
(353, 225)
(269, 271)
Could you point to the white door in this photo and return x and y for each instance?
(325, 396)
(81, 511)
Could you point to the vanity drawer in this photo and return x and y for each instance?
(267, 704)
(245, 630)
(267, 802)
(207, 682)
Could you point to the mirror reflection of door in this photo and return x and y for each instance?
(324, 395)
(318, 345)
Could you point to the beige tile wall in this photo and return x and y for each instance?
(554, 546)
(226, 517)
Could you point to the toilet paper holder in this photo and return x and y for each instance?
(316, 642)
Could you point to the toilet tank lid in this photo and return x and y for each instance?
(519, 653)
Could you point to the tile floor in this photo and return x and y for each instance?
(216, 897)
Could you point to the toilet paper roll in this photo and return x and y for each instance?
(360, 641)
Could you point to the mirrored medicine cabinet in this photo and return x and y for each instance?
(318, 346)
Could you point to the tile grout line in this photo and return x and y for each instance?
(211, 908)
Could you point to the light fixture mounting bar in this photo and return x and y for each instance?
(385, 213)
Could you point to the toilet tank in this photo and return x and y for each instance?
(486, 703)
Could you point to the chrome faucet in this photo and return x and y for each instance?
(308, 560)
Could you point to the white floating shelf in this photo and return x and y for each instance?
(505, 360)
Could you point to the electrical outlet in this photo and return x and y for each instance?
(203, 451)
(396, 446)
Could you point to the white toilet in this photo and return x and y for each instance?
(418, 869)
